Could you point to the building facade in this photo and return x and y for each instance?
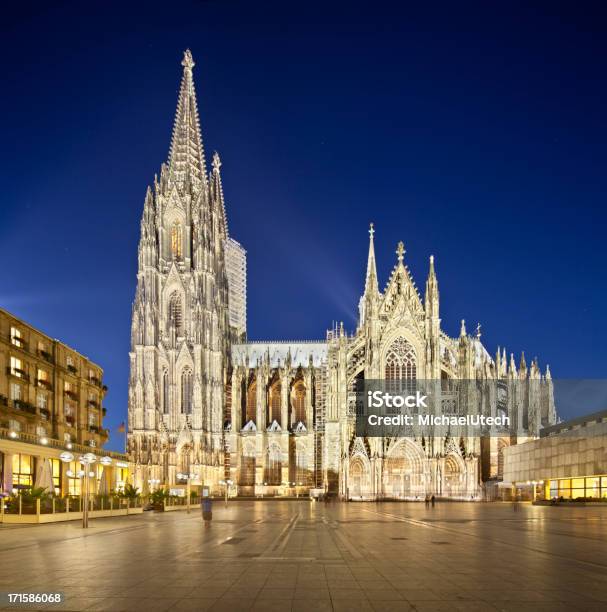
(278, 417)
(568, 460)
(51, 400)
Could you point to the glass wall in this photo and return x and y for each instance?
(572, 488)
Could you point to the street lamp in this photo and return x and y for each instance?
(86, 474)
(227, 483)
(188, 478)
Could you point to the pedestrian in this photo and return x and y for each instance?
(432, 500)
(207, 510)
(427, 500)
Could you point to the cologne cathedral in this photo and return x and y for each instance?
(208, 407)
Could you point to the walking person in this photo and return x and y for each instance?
(432, 500)
(206, 506)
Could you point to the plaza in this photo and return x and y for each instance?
(301, 555)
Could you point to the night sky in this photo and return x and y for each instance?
(472, 132)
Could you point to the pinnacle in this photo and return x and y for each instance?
(216, 161)
(400, 251)
(188, 61)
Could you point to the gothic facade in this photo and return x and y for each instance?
(278, 418)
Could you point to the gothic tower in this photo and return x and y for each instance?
(180, 335)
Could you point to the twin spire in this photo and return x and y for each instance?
(371, 284)
(186, 155)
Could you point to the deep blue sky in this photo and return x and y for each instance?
(472, 132)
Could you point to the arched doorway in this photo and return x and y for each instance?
(404, 473)
(453, 475)
(358, 478)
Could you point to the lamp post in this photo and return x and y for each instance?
(86, 474)
(227, 483)
(188, 478)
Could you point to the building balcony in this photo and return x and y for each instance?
(18, 342)
(45, 384)
(94, 429)
(46, 356)
(3, 401)
(71, 395)
(72, 370)
(24, 406)
(95, 381)
(93, 404)
(18, 373)
(45, 413)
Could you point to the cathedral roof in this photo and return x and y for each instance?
(251, 353)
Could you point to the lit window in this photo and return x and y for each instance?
(56, 472)
(16, 391)
(22, 470)
(92, 419)
(176, 240)
(42, 400)
(73, 481)
(16, 337)
(17, 367)
(69, 360)
(14, 425)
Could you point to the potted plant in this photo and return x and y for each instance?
(157, 499)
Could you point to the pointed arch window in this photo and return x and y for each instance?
(275, 403)
(165, 391)
(176, 313)
(299, 403)
(176, 240)
(401, 369)
(251, 407)
(186, 391)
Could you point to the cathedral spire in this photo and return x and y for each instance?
(431, 283)
(217, 192)
(186, 155)
(371, 285)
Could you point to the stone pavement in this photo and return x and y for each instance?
(295, 555)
